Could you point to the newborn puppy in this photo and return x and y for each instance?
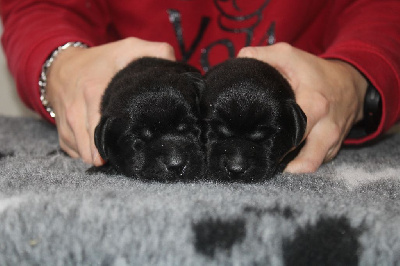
(251, 120)
(149, 121)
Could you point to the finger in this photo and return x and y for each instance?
(309, 159)
(331, 154)
(314, 105)
(66, 137)
(83, 142)
(318, 144)
(336, 145)
(93, 120)
(93, 95)
(259, 52)
(96, 158)
(77, 121)
(158, 49)
(135, 48)
(66, 148)
(276, 55)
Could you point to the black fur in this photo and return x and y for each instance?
(251, 120)
(149, 121)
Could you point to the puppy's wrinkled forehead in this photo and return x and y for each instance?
(239, 103)
(160, 109)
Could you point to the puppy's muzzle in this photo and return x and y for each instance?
(177, 157)
(236, 160)
(174, 162)
(235, 165)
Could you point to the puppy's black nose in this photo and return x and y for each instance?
(236, 168)
(236, 165)
(175, 164)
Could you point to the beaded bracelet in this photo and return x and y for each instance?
(43, 74)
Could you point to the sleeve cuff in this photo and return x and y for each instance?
(380, 72)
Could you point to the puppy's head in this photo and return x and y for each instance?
(149, 125)
(251, 120)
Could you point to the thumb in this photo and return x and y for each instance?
(131, 48)
(279, 55)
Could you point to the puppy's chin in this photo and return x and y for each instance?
(238, 160)
(220, 173)
(188, 173)
(251, 177)
(168, 170)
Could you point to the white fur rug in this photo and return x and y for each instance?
(53, 213)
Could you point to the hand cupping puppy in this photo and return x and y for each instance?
(76, 81)
(331, 93)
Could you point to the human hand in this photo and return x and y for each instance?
(76, 82)
(330, 92)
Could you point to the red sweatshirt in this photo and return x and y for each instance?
(364, 33)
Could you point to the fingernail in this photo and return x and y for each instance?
(97, 159)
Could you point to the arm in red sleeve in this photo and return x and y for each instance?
(33, 29)
(366, 34)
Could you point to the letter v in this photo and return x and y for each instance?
(175, 19)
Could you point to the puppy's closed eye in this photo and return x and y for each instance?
(224, 131)
(261, 133)
(182, 127)
(257, 135)
(146, 134)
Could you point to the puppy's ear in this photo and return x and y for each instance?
(197, 80)
(199, 83)
(299, 121)
(100, 136)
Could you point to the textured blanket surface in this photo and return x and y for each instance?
(53, 213)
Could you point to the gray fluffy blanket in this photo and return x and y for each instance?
(53, 213)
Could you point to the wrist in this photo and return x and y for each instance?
(43, 79)
(370, 105)
(358, 83)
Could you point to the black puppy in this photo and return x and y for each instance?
(251, 120)
(149, 121)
